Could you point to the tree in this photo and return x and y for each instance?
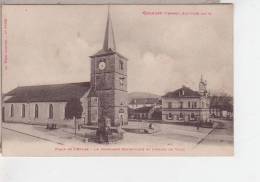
(222, 103)
(73, 109)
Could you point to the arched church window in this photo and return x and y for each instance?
(23, 110)
(50, 111)
(12, 110)
(121, 80)
(121, 64)
(36, 111)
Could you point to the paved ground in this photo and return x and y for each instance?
(21, 137)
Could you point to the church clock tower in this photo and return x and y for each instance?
(108, 97)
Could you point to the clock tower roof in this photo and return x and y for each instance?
(109, 40)
(109, 44)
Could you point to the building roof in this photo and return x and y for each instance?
(184, 92)
(48, 93)
(103, 52)
(109, 40)
(143, 101)
(143, 110)
(109, 44)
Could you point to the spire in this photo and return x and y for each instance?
(109, 40)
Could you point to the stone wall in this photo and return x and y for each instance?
(110, 85)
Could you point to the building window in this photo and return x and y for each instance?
(169, 105)
(50, 111)
(121, 64)
(192, 116)
(194, 104)
(12, 110)
(181, 105)
(170, 116)
(189, 104)
(36, 111)
(23, 110)
(181, 116)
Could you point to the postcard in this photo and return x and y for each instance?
(117, 80)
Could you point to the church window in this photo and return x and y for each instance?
(36, 111)
(50, 111)
(121, 65)
(12, 110)
(121, 82)
(23, 110)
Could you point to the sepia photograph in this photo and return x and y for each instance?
(117, 80)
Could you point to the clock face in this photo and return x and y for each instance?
(102, 65)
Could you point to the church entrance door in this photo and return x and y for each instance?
(121, 116)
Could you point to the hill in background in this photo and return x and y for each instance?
(138, 95)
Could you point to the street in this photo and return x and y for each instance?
(185, 138)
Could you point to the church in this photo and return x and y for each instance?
(104, 96)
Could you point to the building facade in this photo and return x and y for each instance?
(44, 103)
(186, 105)
(136, 103)
(141, 113)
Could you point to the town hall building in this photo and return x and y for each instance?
(104, 96)
(186, 105)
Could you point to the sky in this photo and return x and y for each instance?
(52, 44)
